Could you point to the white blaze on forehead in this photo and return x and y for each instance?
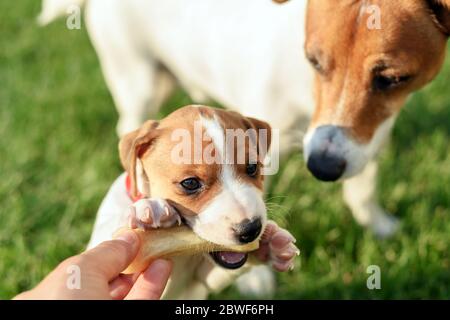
(339, 111)
(235, 202)
(339, 114)
(215, 131)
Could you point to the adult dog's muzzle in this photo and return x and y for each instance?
(325, 166)
(324, 152)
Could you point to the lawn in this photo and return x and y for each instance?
(58, 158)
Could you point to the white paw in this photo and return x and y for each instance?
(258, 283)
(152, 213)
(385, 226)
(277, 248)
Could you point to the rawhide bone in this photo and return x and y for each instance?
(176, 241)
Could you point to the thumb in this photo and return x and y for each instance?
(110, 258)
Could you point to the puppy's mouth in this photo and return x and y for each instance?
(229, 259)
(225, 259)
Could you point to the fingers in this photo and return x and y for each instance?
(151, 283)
(158, 273)
(111, 257)
(119, 287)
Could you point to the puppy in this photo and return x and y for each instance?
(185, 169)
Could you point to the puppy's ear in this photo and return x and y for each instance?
(264, 136)
(133, 146)
(440, 10)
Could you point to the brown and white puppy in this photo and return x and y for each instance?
(209, 189)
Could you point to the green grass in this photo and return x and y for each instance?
(58, 157)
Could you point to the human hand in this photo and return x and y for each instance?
(98, 271)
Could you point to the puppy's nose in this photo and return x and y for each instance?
(248, 230)
(326, 167)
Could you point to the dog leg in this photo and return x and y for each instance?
(138, 91)
(360, 195)
(138, 84)
(259, 283)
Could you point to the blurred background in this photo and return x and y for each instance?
(58, 157)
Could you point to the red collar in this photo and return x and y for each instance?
(128, 188)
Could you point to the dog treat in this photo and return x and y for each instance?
(175, 241)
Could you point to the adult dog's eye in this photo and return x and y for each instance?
(315, 64)
(384, 83)
(252, 169)
(191, 185)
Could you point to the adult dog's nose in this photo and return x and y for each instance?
(326, 167)
(248, 230)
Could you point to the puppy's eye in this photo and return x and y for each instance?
(191, 185)
(384, 83)
(252, 169)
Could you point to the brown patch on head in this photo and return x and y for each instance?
(156, 152)
(242, 136)
(364, 75)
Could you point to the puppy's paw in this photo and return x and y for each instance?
(151, 214)
(277, 248)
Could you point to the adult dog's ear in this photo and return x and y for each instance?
(133, 146)
(264, 136)
(440, 10)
